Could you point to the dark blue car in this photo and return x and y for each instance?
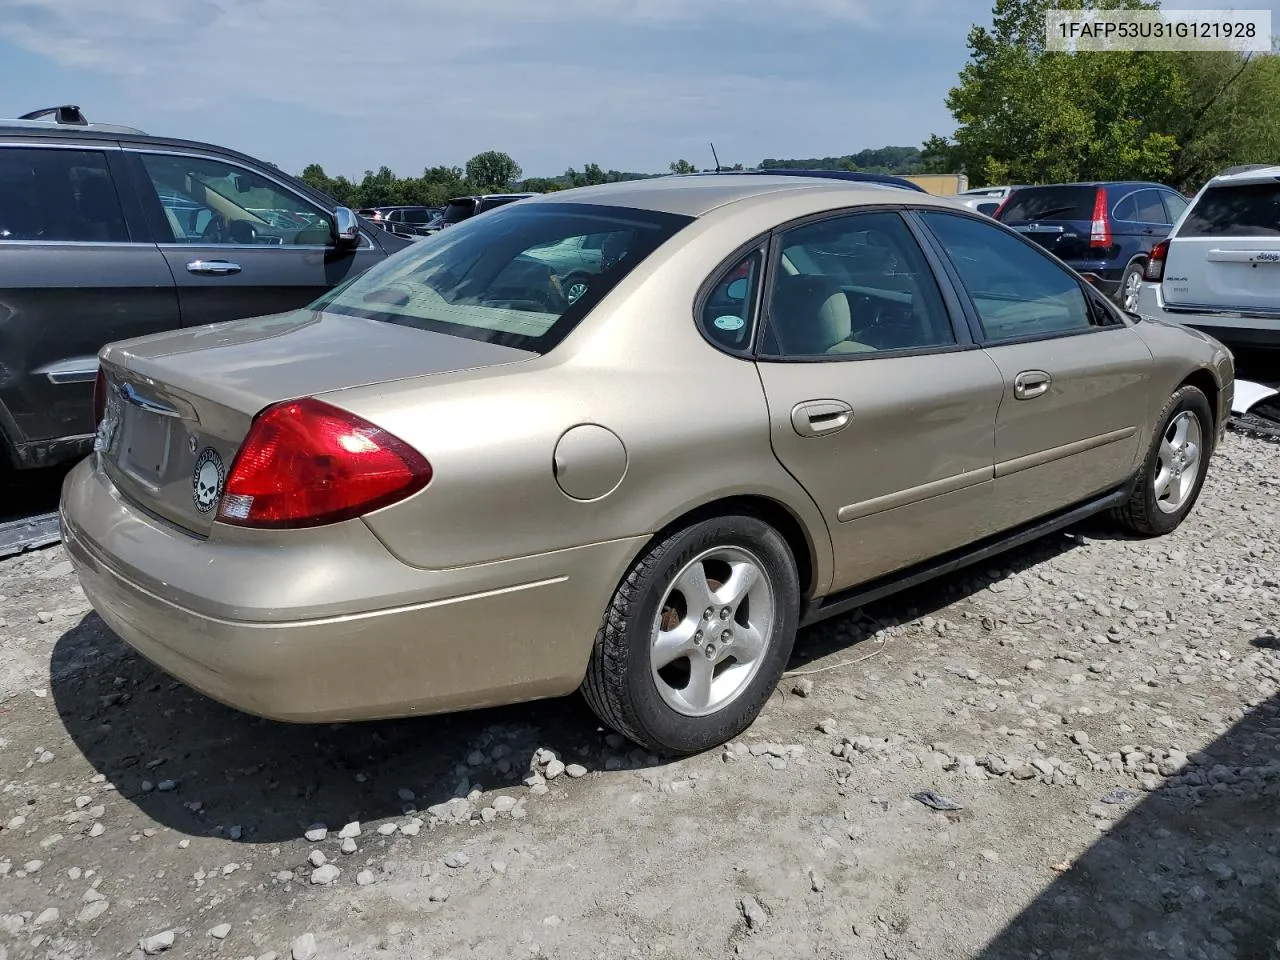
(1104, 231)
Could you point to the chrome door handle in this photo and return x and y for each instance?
(213, 268)
(1030, 384)
(820, 418)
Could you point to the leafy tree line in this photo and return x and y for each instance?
(496, 172)
(1025, 114)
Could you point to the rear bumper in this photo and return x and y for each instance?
(468, 637)
(1233, 329)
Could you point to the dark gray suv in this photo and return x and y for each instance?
(107, 233)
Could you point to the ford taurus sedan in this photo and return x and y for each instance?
(449, 484)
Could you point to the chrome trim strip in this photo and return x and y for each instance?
(72, 370)
(129, 392)
(926, 491)
(50, 145)
(1006, 468)
(1253, 313)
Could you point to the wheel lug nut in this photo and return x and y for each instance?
(724, 614)
(697, 637)
(709, 650)
(726, 637)
(709, 614)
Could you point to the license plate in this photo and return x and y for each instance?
(144, 444)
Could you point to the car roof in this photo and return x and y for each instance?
(1095, 183)
(1259, 173)
(695, 195)
(859, 176)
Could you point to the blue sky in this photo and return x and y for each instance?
(629, 84)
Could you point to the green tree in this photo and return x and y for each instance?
(1029, 115)
(492, 170)
(682, 166)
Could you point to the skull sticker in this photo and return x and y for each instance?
(207, 480)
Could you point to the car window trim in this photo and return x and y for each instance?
(773, 266)
(757, 244)
(984, 339)
(139, 151)
(130, 211)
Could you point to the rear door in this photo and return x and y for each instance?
(1139, 221)
(879, 403)
(1226, 254)
(1075, 375)
(77, 270)
(239, 242)
(1058, 217)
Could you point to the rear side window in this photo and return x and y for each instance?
(1050, 203)
(504, 277)
(1141, 206)
(727, 313)
(1247, 210)
(58, 195)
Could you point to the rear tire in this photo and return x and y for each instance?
(1127, 298)
(1173, 473)
(696, 636)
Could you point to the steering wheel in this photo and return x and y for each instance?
(215, 231)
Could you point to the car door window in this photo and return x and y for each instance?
(58, 195)
(1017, 290)
(1150, 207)
(208, 201)
(853, 285)
(1127, 209)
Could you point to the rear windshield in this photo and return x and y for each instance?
(1050, 203)
(523, 276)
(1247, 210)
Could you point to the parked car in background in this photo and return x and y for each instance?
(1219, 270)
(406, 221)
(448, 485)
(107, 233)
(463, 208)
(1105, 231)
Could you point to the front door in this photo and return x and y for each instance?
(879, 404)
(239, 243)
(1075, 374)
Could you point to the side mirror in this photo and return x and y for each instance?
(346, 227)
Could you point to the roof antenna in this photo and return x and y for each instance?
(714, 157)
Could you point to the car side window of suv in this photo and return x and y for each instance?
(207, 201)
(1017, 291)
(1174, 205)
(853, 285)
(58, 196)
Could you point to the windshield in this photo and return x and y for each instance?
(523, 276)
(1050, 203)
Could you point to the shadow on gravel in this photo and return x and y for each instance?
(1192, 871)
(135, 724)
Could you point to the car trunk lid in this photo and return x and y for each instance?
(1225, 255)
(1058, 218)
(178, 405)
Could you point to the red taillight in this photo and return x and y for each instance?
(1100, 233)
(99, 398)
(1154, 270)
(1000, 209)
(306, 463)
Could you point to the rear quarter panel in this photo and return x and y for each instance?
(693, 421)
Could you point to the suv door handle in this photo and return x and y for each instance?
(820, 418)
(213, 268)
(1030, 384)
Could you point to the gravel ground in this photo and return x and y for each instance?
(1071, 753)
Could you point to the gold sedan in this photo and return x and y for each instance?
(623, 439)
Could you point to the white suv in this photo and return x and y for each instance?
(1219, 270)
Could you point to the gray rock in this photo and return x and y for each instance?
(504, 804)
(304, 947)
(92, 911)
(802, 687)
(350, 831)
(316, 833)
(220, 932)
(386, 829)
(1081, 738)
(364, 878)
(456, 860)
(554, 769)
(816, 881)
(348, 845)
(45, 917)
(753, 913)
(317, 858)
(323, 876)
(157, 943)
(576, 770)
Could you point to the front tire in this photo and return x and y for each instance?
(697, 636)
(1173, 473)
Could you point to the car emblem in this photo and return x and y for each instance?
(207, 480)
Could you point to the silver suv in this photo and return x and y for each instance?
(1219, 269)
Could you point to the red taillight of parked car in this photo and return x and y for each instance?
(1100, 232)
(99, 398)
(306, 463)
(1154, 270)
